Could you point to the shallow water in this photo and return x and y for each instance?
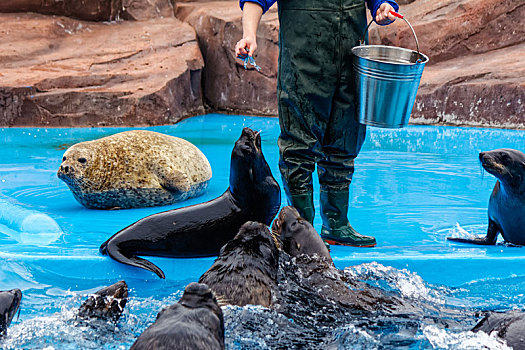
(412, 188)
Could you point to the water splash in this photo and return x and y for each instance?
(408, 284)
(444, 339)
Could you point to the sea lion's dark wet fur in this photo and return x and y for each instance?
(106, 304)
(309, 264)
(506, 210)
(509, 326)
(297, 235)
(195, 322)
(9, 304)
(246, 270)
(202, 229)
(320, 297)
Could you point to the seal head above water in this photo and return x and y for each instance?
(9, 304)
(195, 322)
(106, 304)
(506, 210)
(298, 236)
(202, 229)
(246, 270)
(133, 169)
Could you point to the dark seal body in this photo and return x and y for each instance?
(506, 209)
(202, 229)
(246, 270)
(195, 322)
(9, 304)
(106, 304)
(306, 262)
(510, 326)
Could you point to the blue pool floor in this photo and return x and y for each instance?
(412, 187)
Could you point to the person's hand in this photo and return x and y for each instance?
(383, 15)
(246, 46)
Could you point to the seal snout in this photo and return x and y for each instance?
(66, 169)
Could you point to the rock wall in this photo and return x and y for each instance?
(164, 60)
(57, 71)
(476, 68)
(227, 86)
(93, 10)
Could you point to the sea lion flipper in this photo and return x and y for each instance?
(174, 180)
(489, 239)
(477, 240)
(115, 253)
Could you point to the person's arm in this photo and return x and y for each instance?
(251, 16)
(380, 10)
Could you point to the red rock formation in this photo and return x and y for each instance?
(448, 29)
(58, 71)
(227, 86)
(91, 10)
(476, 69)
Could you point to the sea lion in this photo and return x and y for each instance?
(306, 263)
(9, 304)
(509, 326)
(246, 270)
(106, 304)
(506, 210)
(195, 322)
(202, 229)
(134, 169)
(297, 235)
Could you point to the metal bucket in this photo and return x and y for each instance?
(387, 79)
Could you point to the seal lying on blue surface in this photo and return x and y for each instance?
(134, 169)
(195, 322)
(507, 202)
(9, 304)
(201, 230)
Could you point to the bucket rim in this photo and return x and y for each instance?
(356, 48)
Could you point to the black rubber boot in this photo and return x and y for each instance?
(304, 203)
(336, 229)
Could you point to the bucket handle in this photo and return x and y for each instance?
(398, 15)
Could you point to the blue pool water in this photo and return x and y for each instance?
(412, 188)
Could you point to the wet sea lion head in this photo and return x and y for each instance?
(107, 303)
(297, 235)
(251, 178)
(244, 159)
(198, 295)
(9, 304)
(507, 165)
(254, 239)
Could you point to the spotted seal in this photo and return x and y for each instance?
(9, 304)
(202, 229)
(133, 169)
(246, 270)
(195, 322)
(506, 210)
